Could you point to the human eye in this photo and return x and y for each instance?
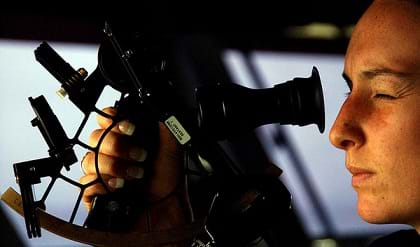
(389, 87)
(384, 96)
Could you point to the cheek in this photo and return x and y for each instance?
(398, 130)
(404, 147)
(393, 140)
(380, 119)
(393, 128)
(393, 135)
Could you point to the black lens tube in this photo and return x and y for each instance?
(225, 110)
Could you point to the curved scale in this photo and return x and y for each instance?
(99, 238)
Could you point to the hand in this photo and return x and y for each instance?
(119, 161)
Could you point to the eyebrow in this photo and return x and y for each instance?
(371, 74)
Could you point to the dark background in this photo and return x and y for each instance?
(254, 25)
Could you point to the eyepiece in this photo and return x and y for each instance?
(225, 110)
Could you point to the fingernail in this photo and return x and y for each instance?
(126, 127)
(138, 154)
(135, 172)
(116, 183)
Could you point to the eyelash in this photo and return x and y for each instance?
(384, 96)
(378, 96)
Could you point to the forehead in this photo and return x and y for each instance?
(390, 16)
(388, 34)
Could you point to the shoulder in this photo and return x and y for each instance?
(398, 238)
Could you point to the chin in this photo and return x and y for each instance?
(372, 211)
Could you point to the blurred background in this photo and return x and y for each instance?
(261, 46)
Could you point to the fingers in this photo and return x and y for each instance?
(95, 189)
(117, 156)
(124, 127)
(118, 159)
(112, 166)
(117, 145)
(104, 122)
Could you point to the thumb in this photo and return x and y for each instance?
(167, 168)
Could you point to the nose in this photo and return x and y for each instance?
(347, 132)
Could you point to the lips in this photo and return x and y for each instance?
(360, 175)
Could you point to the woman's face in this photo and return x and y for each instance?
(379, 123)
